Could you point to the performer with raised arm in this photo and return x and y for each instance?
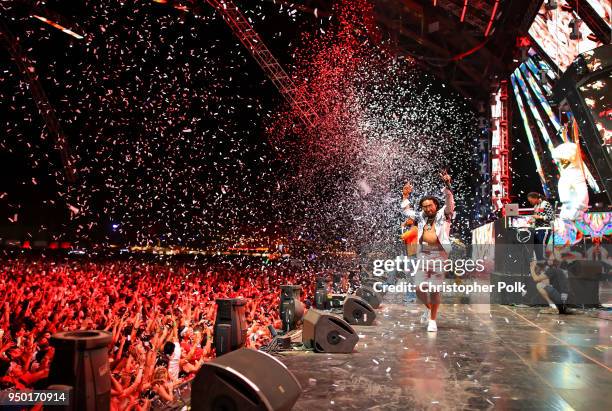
(573, 190)
(434, 223)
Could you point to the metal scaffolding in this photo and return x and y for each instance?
(244, 31)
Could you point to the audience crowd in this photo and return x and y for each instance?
(161, 316)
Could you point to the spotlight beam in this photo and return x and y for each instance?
(58, 26)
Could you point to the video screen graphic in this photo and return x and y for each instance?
(603, 8)
(597, 97)
(552, 31)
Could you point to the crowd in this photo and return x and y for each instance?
(161, 316)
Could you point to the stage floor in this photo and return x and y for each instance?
(482, 357)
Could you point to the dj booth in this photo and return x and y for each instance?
(581, 250)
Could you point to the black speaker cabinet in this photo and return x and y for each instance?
(514, 248)
(321, 301)
(584, 278)
(230, 325)
(357, 311)
(81, 362)
(244, 380)
(326, 333)
(372, 297)
(585, 269)
(291, 308)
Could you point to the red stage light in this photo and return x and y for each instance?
(523, 41)
(465, 3)
(488, 30)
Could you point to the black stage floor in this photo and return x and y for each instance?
(482, 357)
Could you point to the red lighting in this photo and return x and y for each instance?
(26, 244)
(488, 30)
(523, 42)
(465, 3)
(54, 245)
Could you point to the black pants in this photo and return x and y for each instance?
(541, 236)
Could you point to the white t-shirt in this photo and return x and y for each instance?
(173, 363)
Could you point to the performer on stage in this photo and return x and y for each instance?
(433, 229)
(552, 284)
(543, 215)
(573, 191)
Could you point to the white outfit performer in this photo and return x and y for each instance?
(442, 221)
(572, 188)
(442, 225)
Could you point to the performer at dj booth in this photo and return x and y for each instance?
(543, 216)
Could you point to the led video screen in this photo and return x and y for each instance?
(552, 32)
(603, 8)
(597, 97)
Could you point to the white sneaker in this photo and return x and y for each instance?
(432, 327)
(425, 316)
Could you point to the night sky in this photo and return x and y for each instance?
(180, 138)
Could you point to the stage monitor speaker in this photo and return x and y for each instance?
(357, 311)
(244, 380)
(230, 325)
(291, 308)
(326, 333)
(81, 362)
(372, 297)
